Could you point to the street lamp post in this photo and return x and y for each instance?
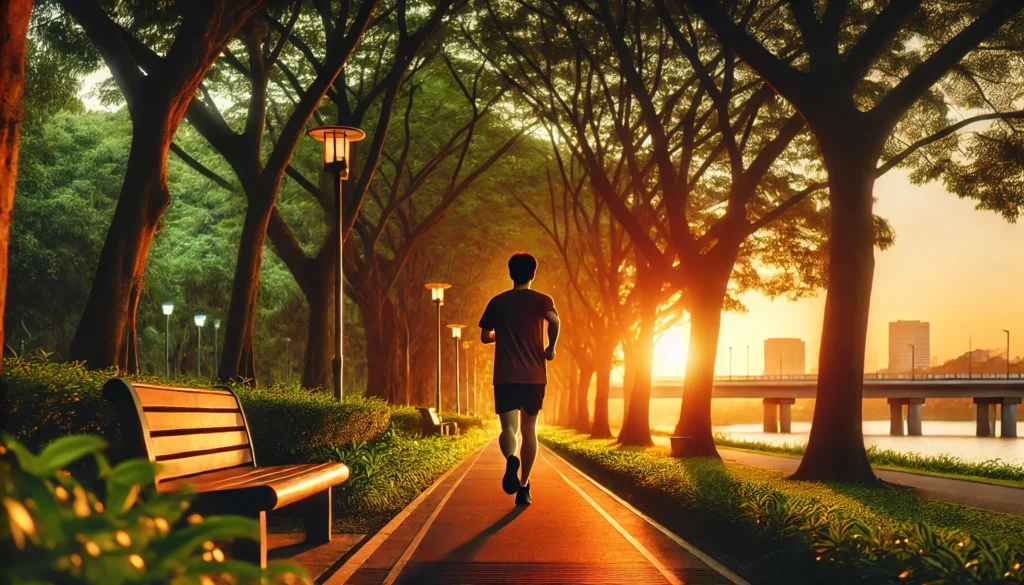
(457, 336)
(470, 370)
(200, 320)
(913, 360)
(730, 363)
(337, 142)
(288, 358)
(970, 357)
(216, 355)
(168, 309)
(1007, 332)
(437, 297)
(748, 362)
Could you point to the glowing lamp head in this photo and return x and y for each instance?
(465, 345)
(168, 308)
(337, 142)
(200, 320)
(437, 291)
(216, 323)
(456, 330)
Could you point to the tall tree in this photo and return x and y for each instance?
(157, 99)
(260, 170)
(867, 65)
(14, 17)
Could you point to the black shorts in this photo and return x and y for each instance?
(529, 397)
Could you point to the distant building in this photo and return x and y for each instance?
(785, 356)
(903, 335)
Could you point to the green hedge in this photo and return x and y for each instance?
(774, 530)
(406, 419)
(41, 401)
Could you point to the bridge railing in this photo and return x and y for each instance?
(917, 376)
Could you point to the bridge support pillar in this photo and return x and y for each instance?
(986, 415)
(1008, 418)
(786, 414)
(771, 417)
(778, 415)
(914, 416)
(896, 416)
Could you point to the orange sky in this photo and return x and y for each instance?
(956, 267)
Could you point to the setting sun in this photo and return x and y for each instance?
(670, 353)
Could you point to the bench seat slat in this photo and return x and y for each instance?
(285, 485)
(175, 444)
(174, 468)
(172, 421)
(151, 397)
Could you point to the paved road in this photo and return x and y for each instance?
(466, 530)
(998, 498)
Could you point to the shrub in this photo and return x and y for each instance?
(782, 531)
(53, 530)
(391, 471)
(41, 401)
(406, 419)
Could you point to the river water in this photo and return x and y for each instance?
(955, 438)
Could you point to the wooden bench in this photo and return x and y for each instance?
(200, 439)
(430, 424)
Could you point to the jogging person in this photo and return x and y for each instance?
(514, 322)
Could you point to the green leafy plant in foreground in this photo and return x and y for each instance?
(54, 530)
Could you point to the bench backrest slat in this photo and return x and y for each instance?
(186, 431)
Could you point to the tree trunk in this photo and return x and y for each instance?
(600, 429)
(318, 288)
(382, 352)
(567, 406)
(236, 363)
(14, 17)
(835, 449)
(636, 423)
(706, 302)
(581, 422)
(629, 357)
(108, 322)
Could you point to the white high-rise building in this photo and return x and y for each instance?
(785, 356)
(903, 335)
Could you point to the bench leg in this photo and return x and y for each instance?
(250, 551)
(319, 517)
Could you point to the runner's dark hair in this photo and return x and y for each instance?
(522, 267)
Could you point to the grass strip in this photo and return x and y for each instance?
(773, 530)
(990, 471)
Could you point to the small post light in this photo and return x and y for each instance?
(200, 320)
(457, 336)
(168, 308)
(216, 352)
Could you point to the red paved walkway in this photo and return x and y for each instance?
(466, 530)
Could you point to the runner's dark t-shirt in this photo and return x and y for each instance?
(517, 318)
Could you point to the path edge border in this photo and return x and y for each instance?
(717, 566)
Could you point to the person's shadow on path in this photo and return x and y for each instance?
(468, 550)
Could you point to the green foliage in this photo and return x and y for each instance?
(942, 464)
(406, 419)
(43, 401)
(389, 472)
(60, 532)
(800, 532)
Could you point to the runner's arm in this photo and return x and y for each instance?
(553, 327)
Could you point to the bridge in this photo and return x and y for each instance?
(905, 395)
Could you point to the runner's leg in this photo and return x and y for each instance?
(528, 453)
(508, 440)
